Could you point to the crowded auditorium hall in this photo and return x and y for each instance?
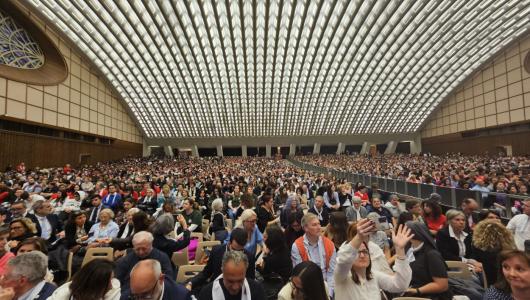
(264, 150)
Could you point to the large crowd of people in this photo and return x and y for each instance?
(283, 232)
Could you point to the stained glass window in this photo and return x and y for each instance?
(17, 48)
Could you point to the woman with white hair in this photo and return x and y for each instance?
(105, 229)
(247, 221)
(217, 220)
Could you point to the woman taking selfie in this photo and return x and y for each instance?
(353, 276)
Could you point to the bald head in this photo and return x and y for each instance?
(147, 278)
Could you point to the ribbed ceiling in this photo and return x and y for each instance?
(223, 68)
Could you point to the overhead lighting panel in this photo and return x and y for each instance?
(214, 68)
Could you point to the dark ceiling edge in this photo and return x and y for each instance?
(78, 51)
(524, 35)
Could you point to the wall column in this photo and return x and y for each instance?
(340, 148)
(244, 150)
(415, 145)
(316, 148)
(195, 151)
(146, 150)
(365, 148)
(391, 147)
(220, 150)
(268, 151)
(168, 150)
(292, 149)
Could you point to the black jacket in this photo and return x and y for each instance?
(69, 234)
(57, 226)
(168, 246)
(213, 267)
(448, 246)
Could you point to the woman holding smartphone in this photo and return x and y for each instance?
(354, 278)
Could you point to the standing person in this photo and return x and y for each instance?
(294, 230)
(519, 225)
(217, 221)
(321, 211)
(232, 283)
(514, 279)
(148, 281)
(315, 247)
(468, 206)
(353, 276)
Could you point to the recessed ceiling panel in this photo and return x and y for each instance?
(227, 68)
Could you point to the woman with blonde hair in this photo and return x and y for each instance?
(247, 221)
(490, 238)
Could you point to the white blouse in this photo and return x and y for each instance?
(346, 288)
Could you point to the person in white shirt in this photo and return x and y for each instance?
(520, 226)
(353, 276)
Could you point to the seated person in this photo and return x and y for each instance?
(238, 239)
(233, 283)
(429, 271)
(142, 249)
(106, 228)
(148, 281)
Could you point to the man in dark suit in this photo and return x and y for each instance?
(142, 249)
(238, 240)
(25, 275)
(49, 223)
(148, 282)
(97, 206)
(20, 210)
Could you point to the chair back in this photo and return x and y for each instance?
(188, 271)
(180, 258)
(69, 262)
(229, 224)
(95, 253)
(197, 235)
(200, 249)
(458, 269)
(205, 225)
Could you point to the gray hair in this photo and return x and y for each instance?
(217, 204)
(308, 218)
(37, 205)
(393, 196)
(142, 236)
(373, 216)
(356, 199)
(236, 256)
(107, 211)
(163, 224)
(132, 211)
(32, 265)
(152, 263)
(453, 213)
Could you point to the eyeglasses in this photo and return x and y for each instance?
(146, 295)
(364, 252)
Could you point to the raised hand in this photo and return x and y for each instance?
(401, 236)
(364, 228)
